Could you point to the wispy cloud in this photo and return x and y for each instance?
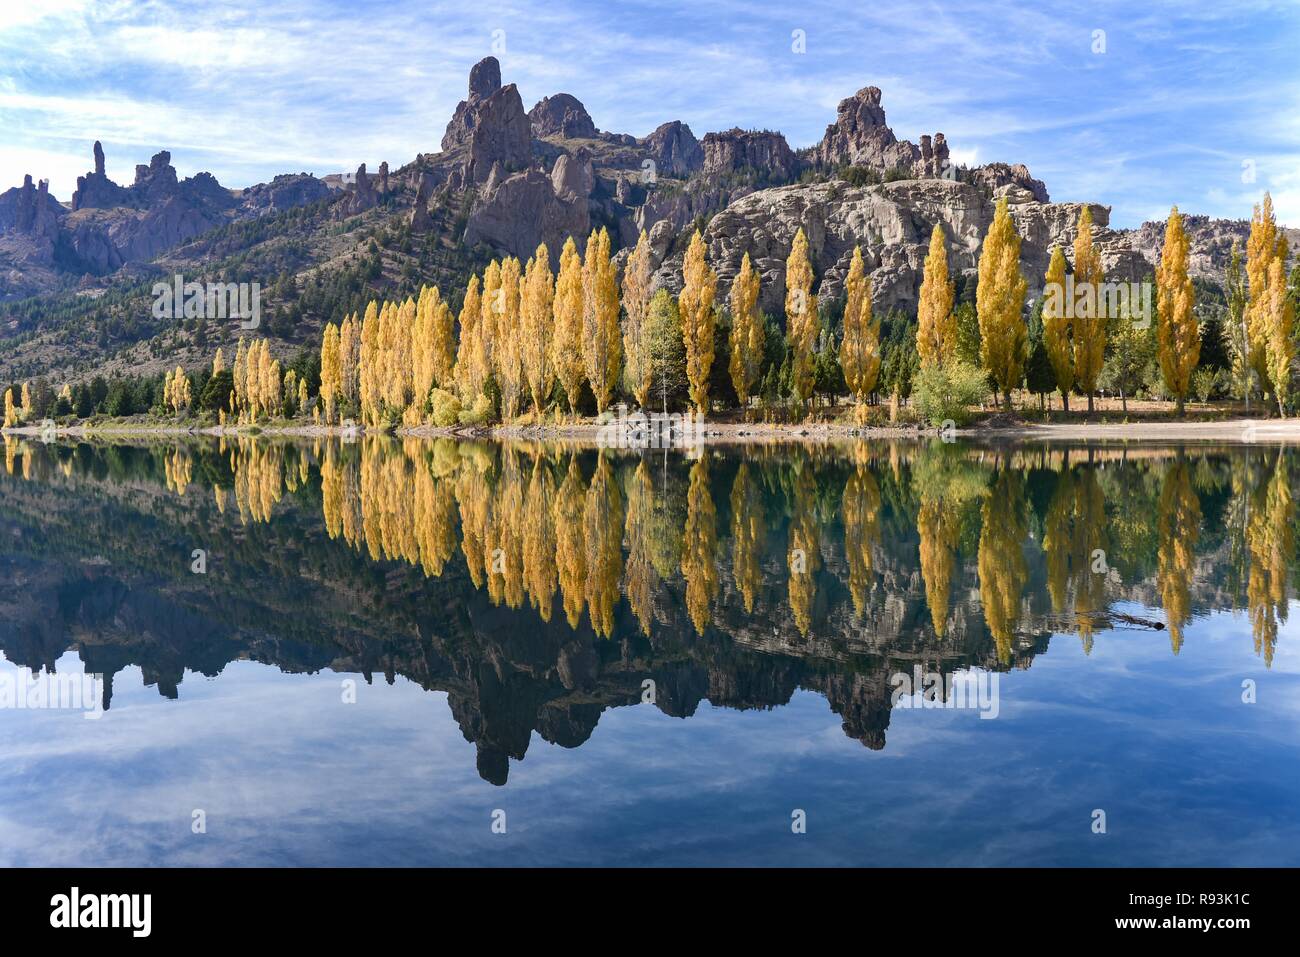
(1135, 108)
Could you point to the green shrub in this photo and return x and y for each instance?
(479, 413)
(446, 408)
(947, 392)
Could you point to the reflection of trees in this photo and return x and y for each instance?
(946, 484)
(530, 524)
(1074, 531)
(178, 470)
(1270, 539)
(642, 580)
(805, 551)
(861, 506)
(539, 539)
(1179, 524)
(570, 551)
(602, 526)
(259, 477)
(1002, 568)
(700, 547)
(747, 536)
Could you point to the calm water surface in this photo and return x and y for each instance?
(369, 653)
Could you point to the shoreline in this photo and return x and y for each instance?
(1243, 431)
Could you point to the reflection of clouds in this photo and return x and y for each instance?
(289, 775)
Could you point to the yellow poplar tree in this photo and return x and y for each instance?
(218, 362)
(1271, 342)
(566, 343)
(1281, 346)
(1056, 326)
(638, 367)
(368, 382)
(800, 316)
(860, 347)
(507, 348)
(747, 332)
(602, 345)
(695, 304)
(936, 323)
(1178, 337)
(1261, 248)
(349, 357)
(537, 316)
(470, 374)
(999, 300)
(11, 414)
(330, 370)
(1089, 322)
(239, 377)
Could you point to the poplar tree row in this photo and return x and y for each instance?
(523, 329)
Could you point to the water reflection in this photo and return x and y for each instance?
(541, 584)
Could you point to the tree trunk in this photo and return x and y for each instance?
(1178, 406)
(1123, 402)
(1065, 402)
(1090, 403)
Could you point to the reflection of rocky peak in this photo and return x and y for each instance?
(561, 115)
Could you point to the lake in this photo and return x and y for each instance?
(259, 651)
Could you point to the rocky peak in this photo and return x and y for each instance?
(491, 123)
(285, 191)
(561, 115)
(95, 190)
(934, 156)
(156, 182)
(861, 137)
(572, 177)
(995, 176)
(674, 149)
(363, 194)
(484, 78)
(420, 218)
(762, 150)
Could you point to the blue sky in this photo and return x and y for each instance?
(1185, 101)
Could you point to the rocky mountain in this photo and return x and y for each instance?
(106, 225)
(507, 179)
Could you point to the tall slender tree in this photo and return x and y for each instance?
(860, 347)
(936, 323)
(537, 318)
(800, 316)
(747, 332)
(699, 286)
(566, 343)
(638, 371)
(1178, 337)
(999, 301)
(1090, 318)
(1057, 326)
(602, 346)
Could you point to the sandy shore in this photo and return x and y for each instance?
(1245, 431)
